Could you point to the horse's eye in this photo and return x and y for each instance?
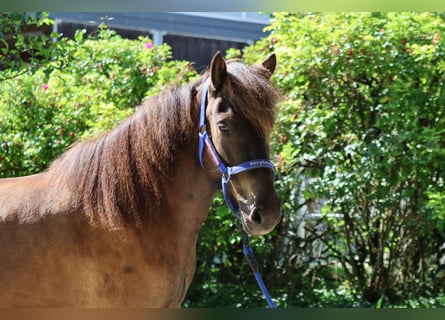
(223, 127)
(223, 107)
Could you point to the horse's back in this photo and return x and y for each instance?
(62, 261)
(38, 231)
(29, 253)
(29, 198)
(52, 256)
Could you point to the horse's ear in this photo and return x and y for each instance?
(270, 63)
(218, 70)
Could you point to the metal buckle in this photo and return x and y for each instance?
(226, 175)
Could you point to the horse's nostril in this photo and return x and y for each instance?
(255, 215)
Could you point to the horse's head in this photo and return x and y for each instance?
(240, 114)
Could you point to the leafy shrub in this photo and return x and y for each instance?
(87, 86)
(21, 47)
(361, 132)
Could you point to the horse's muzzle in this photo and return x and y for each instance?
(260, 219)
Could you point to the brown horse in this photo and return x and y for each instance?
(114, 220)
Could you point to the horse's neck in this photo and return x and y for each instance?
(191, 192)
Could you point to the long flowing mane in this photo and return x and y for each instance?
(121, 177)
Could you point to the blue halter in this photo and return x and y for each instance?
(227, 172)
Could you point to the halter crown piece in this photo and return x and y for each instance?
(227, 172)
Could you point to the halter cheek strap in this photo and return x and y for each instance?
(226, 171)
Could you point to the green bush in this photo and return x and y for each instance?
(362, 123)
(87, 86)
(24, 51)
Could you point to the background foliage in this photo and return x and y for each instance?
(76, 88)
(360, 140)
(358, 146)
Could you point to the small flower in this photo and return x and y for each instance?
(148, 45)
(45, 86)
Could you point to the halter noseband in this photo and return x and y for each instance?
(226, 171)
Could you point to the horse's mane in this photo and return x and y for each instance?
(252, 96)
(121, 177)
(123, 173)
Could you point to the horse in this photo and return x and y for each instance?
(114, 220)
